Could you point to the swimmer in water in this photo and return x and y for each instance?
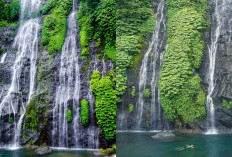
(180, 148)
(189, 146)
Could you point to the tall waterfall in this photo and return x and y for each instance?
(220, 20)
(153, 58)
(69, 88)
(26, 43)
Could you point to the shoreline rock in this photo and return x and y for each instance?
(163, 135)
(43, 150)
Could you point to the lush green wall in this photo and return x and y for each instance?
(135, 22)
(183, 97)
(9, 13)
(97, 20)
(55, 24)
(103, 89)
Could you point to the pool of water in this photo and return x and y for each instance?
(142, 145)
(55, 153)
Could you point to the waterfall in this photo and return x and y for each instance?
(3, 58)
(69, 86)
(155, 54)
(26, 43)
(220, 20)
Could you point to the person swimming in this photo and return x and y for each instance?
(189, 146)
(186, 147)
(180, 148)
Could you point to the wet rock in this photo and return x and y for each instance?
(98, 153)
(43, 150)
(163, 135)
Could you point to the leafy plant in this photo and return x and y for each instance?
(147, 93)
(182, 95)
(69, 116)
(84, 112)
(11, 120)
(55, 25)
(132, 91)
(103, 89)
(131, 108)
(135, 22)
(226, 104)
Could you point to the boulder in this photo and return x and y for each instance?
(43, 150)
(163, 135)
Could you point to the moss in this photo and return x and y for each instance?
(32, 113)
(84, 112)
(69, 116)
(131, 108)
(136, 61)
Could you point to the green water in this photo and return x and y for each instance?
(142, 145)
(55, 153)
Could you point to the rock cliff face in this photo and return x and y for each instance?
(46, 83)
(222, 77)
(223, 64)
(150, 116)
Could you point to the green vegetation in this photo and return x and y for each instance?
(32, 114)
(55, 25)
(103, 89)
(147, 93)
(97, 19)
(14, 10)
(84, 112)
(9, 13)
(131, 108)
(135, 22)
(226, 104)
(11, 120)
(109, 151)
(69, 116)
(132, 91)
(182, 95)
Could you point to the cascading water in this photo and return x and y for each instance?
(69, 88)
(156, 51)
(26, 42)
(3, 58)
(220, 20)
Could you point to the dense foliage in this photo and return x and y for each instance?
(55, 25)
(96, 18)
(226, 104)
(182, 95)
(84, 112)
(9, 12)
(103, 89)
(135, 22)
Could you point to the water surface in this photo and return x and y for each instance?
(142, 145)
(55, 153)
